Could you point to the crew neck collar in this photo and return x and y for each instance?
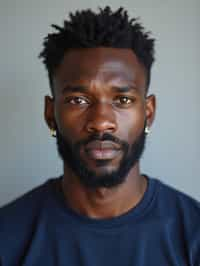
(136, 212)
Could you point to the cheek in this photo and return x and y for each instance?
(131, 123)
(69, 123)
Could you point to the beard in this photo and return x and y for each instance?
(70, 154)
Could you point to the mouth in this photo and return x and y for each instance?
(102, 150)
(102, 154)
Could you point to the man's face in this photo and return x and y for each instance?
(100, 112)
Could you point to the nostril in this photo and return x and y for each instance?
(101, 126)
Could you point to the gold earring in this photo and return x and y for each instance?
(147, 130)
(53, 132)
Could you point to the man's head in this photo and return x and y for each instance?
(87, 29)
(99, 70)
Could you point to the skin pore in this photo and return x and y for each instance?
(98, 91)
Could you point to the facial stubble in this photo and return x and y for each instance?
(70, 154)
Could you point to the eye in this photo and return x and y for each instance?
(77, 100)
(124, 100)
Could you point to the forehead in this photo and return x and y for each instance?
(103, 64)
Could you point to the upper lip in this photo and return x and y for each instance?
(101, 145)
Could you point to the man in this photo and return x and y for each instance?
(102, 210)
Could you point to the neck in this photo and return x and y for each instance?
(104, 203)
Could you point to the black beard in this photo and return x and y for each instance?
(70, 154)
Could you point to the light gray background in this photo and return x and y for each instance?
(27, 152)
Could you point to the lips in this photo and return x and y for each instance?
(106, 144)
(102, 150)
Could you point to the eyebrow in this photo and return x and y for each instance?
(124, 89)
(75, 88)
(83, 89)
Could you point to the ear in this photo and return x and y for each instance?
(49, 112)
(150, 109)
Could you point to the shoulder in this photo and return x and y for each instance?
(30, 197)
(175, 205)
(22, 210)
(19, 219)
(183, 213)
(172, 202)
(178, 200)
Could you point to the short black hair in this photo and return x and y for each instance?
(87, 29)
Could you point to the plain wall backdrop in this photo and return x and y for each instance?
(28, 154)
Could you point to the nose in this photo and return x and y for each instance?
(101, 119)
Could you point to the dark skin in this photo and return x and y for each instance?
(100, 90)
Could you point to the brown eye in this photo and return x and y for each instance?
(123, 100)
(77, 100)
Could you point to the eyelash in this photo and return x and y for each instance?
(131, 99)
(70, 99)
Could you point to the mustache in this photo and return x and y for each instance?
(103, 137)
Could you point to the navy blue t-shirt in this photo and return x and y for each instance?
(39, 229)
